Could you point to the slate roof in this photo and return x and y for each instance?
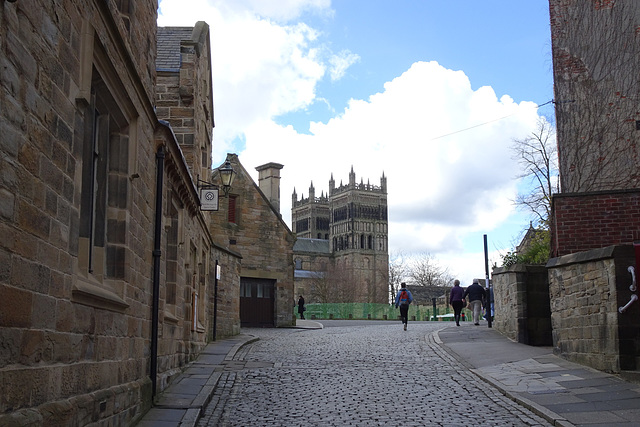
(318, 246)
(168, 49)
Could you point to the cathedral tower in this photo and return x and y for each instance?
(353, 218)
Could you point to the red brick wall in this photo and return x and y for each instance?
(585, 221)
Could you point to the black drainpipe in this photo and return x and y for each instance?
(215, 302)
(157, 240)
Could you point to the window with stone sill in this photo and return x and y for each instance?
(171, 258)
(203, 268)
(104, 198)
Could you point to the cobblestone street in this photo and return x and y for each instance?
(369, 374)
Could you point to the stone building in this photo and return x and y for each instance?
(594, 219)
(106, 261)
(250, 222)
(352, 219)
(184, 100)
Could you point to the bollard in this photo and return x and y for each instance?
(384, 316)
(413, 318)
(369, 316)
(350, 316)
(330, 315)
(313, 317)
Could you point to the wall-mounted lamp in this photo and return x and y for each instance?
(227, 174)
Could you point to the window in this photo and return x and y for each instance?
(172, 253)
(245, 289)
(202, 283)
(232, 209)
(105, 186)
(264, 290)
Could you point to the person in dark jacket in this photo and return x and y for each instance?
(456, 300)
(301, 307)
(476, 295)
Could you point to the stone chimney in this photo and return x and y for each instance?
(269, 183)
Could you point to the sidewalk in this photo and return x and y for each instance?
(181, 404)
(565, 393)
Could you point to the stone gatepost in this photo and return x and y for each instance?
(522, 308)
(586, 289)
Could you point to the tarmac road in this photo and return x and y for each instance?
(356, 373)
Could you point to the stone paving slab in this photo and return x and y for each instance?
(567, 392)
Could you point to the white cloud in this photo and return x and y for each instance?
(440, 189)
(340, 62)
(443, 146)
(261, 69)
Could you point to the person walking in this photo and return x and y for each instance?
(403, 299)
(476, 296)
(301, 307)
(456, 300)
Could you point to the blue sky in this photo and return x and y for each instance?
(503, 44)
(322, 86)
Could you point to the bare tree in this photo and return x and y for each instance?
(537, 155)
(426, 271)
(336, 285)
(398, 272)
(321, 289)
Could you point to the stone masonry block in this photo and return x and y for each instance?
(32, 219)
(29, 275)
(15, 307)
(7, 204)
(44, 309)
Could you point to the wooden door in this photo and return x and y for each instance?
(257, 302)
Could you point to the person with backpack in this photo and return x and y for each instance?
(403, 299)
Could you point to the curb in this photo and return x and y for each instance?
(193, 414)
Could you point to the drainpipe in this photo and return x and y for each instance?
(157, 240)
(215, 303)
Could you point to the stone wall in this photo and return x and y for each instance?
(586, 290)
(596, 56)
(227, 310)
(73, 332)
(583, 221)
(77, 235)
(522, 307)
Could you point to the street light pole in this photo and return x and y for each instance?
(488, 300)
